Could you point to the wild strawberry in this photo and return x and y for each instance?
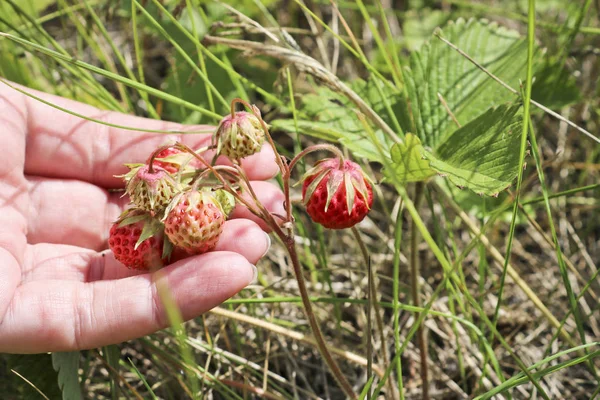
(151, 189)
(136, 240)
(194, 221)
(337, 196)
(239, 136)
(171, 159)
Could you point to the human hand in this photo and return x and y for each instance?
(60, 289)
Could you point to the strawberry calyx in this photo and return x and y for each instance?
(150, 189)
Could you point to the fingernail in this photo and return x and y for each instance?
(254, 275)
(268, 244)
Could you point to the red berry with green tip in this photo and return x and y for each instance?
(337, 196)
(194, 221)
(124, 241)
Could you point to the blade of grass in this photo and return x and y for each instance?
(574, 306)
(191, 9)
(396, 75)
(520, 379)
(117, 53)
(129, 128)
(84, 34)
(139, 374)
(396, 299)
(102, 93)
(234, 75)
(155, 92)
(448, 269)
(526, 110)
(180, 50)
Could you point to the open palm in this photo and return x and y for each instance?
(59, 288)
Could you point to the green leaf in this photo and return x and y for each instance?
(407, 158)
(67, 366)
(484, 154)
(331, 116)
(437, 69)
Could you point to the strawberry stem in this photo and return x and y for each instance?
(153, 156)
(290, 243)
(318, 147)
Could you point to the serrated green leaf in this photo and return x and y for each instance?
(67, 366)
(484, 154)
(437, 69)
(407, 158)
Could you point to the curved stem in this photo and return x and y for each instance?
(264, 215)
(318, 147)
(283, 167)
(155, 153)
(256, 113)
(312, 320)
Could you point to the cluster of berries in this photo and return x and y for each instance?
(176, 211)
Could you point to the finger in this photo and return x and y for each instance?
(13, 199)
(68, 315)
(80, 214)
(63, 145)
(50, 261)
(71, 212)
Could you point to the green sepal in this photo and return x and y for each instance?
(133, 168)
(361, 188)
(151, 228)
(167, 248)
(350, 192)
(124, 220)
(172, 205)
(333, 184)
(233, 134)
(310, 190)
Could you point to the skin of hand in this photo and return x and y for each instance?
(60, 289)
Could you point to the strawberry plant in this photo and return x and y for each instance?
(433, 215)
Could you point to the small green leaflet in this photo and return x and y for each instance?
(408, 162)
(67, 366)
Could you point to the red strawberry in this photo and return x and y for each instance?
(150, 189)
(337, 196)
(240, 135)
(194, 221)
(136, 240)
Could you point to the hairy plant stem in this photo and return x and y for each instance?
(290, 244)
(415, 290)
(287, 235)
